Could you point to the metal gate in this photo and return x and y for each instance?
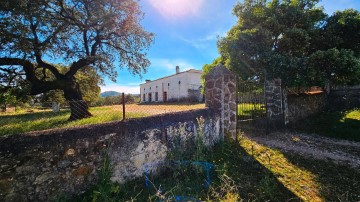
(251, 107)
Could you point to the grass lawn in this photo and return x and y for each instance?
(33, 120)
(244, 171)
(21, 122)
(251, 111)
(342, 125)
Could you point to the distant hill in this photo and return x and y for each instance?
(109, 93)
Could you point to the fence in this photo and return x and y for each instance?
(49, 115)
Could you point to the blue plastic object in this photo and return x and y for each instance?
(205, 165)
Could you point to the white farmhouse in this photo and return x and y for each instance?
(182, 86)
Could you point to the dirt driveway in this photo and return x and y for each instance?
(161, 108)
(311, 145)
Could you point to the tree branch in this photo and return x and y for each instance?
(45, 86)
(37, 51)
(79, 64)
(27, 66)
(52, 36)
(86, 45)
(96, 43)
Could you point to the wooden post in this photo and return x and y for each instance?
(123, 105)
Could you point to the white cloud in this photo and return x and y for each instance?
(205, 41)
(174, 9)
(170, 64)
(133, 89)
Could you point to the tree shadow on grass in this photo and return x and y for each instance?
(254, 181)
(337, 182)
(34, 115)
(330, 124)
(16, 124)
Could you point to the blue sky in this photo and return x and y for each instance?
(186, 32)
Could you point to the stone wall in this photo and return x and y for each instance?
(274, 101)
(344, 98)
(42, 166)
(220, 95)
(303, 105)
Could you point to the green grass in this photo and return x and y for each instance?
(342, 125)
(248, 110)
(247, 171)
(21, 122)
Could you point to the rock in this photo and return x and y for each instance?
(44, 177)
(26, 170)
(15, 197)
(64, 164)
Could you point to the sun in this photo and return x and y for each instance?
(177, 9)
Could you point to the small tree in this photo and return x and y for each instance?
(100, 34)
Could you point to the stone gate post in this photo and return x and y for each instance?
(274, 100)
(220, 95)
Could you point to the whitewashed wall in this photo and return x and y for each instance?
(190, 79)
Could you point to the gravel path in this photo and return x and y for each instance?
(339, 151)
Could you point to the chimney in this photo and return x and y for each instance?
(177, 69)
(147, 80)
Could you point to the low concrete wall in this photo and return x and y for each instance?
(302, 105)
(41, 166)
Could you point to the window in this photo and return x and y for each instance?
(168, 84)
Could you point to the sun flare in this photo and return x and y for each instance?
(175, 9)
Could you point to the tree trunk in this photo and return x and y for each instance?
(78, 107)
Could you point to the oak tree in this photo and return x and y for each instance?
(293, 40)
(101, 34)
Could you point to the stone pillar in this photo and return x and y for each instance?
(274, 101)
(220, 96)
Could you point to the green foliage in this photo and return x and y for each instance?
(104, 189)
(268, 185)
(292, 40)
(90, 37)
(208, 67)
(87, 77)
(342, 31)
(14, 91)
(200, 148)
(337, 67)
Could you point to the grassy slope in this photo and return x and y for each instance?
(342, 125)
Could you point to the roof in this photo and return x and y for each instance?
(188, 71)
